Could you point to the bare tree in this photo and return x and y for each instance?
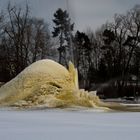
(40, 39)
(15, 30)
(132, 23)
(26, 39)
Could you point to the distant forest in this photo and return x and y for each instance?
(108, 59)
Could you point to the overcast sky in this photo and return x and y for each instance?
(85, 13)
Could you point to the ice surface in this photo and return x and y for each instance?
(68, 125)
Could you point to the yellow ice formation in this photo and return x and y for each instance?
(48, 84)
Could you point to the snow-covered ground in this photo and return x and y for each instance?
(68, 125)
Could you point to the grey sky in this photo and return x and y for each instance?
(85, 13)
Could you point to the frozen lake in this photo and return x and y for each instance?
(68, 125)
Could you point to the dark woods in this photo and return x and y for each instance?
(107, 59)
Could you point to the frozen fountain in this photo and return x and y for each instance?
(48, 84)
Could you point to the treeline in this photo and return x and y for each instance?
(109, 55)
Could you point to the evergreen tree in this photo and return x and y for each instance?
(82, 56)
(109, 52)
(63, 29)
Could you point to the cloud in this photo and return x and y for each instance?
(85, 13)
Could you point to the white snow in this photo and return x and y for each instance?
(68, 125)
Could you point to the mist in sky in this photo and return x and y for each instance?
(84, 13)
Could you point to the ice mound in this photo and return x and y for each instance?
(46, 83)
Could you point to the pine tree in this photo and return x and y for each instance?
(63, 29)
(82, 53)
